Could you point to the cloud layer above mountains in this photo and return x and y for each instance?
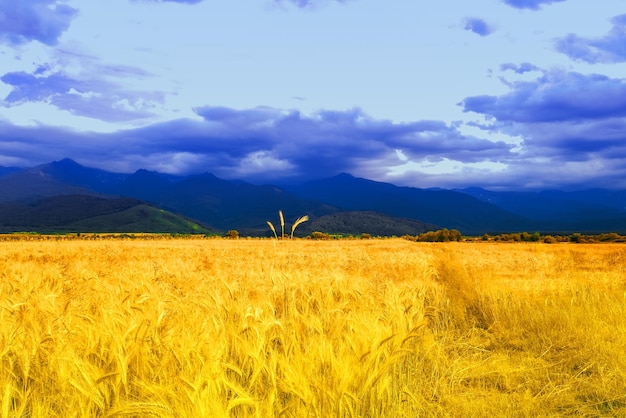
(259, 144)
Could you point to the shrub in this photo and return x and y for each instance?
(319, 235)
(232, 234)
(549, 239)
(442, 235)
(576, 237)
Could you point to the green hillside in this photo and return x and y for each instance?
(360, 222)
(140, 218)
(81, 213)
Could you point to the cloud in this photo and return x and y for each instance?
(608, 49)
(266, 145)
(34, 20)
(175, 1)
(526, 173)
(306, 3)
(100, 98)
(589, 153)
(478, 26)
(23, 21)
(334, 141)
(529, 4)
(572, 128)
(555, 96)
(522, 68)
(260, 144)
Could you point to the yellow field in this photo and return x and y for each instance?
(372, 328)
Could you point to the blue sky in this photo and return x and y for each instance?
(503, 94)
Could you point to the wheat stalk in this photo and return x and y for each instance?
(273, 229)
(298, 221)
(282, 225)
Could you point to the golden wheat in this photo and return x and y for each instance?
(376, 328)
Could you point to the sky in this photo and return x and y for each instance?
(500, 94)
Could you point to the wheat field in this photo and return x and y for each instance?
(347, 328)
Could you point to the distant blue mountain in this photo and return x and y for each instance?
(214, 202)
(447, 208)
(4, 171)
(38, 182)
(552, 206)
(340, 203)
(233, 204)
(145, 185)
(69, 172)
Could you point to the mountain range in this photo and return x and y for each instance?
(64, 196)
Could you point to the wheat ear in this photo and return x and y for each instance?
(298, 221)
(282, 224)
(273, 229)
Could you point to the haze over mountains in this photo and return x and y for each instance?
(66, 196)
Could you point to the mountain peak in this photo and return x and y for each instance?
(144, 172)
(339, 178)
(344, 175)
(66, 162)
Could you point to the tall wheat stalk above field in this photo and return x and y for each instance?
(272, 229)
(298, 221)
(282, 224)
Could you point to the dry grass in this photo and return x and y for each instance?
(376, 328)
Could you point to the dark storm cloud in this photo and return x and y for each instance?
(610, 48)
(28, 146)
(573, 142)
(95, 98)
(583, 154)
(34, 20)
(333, 141)
(572, 127)
(529, 4)
(478, 26)
(555, 96)
(266, 144)
(255, 144)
